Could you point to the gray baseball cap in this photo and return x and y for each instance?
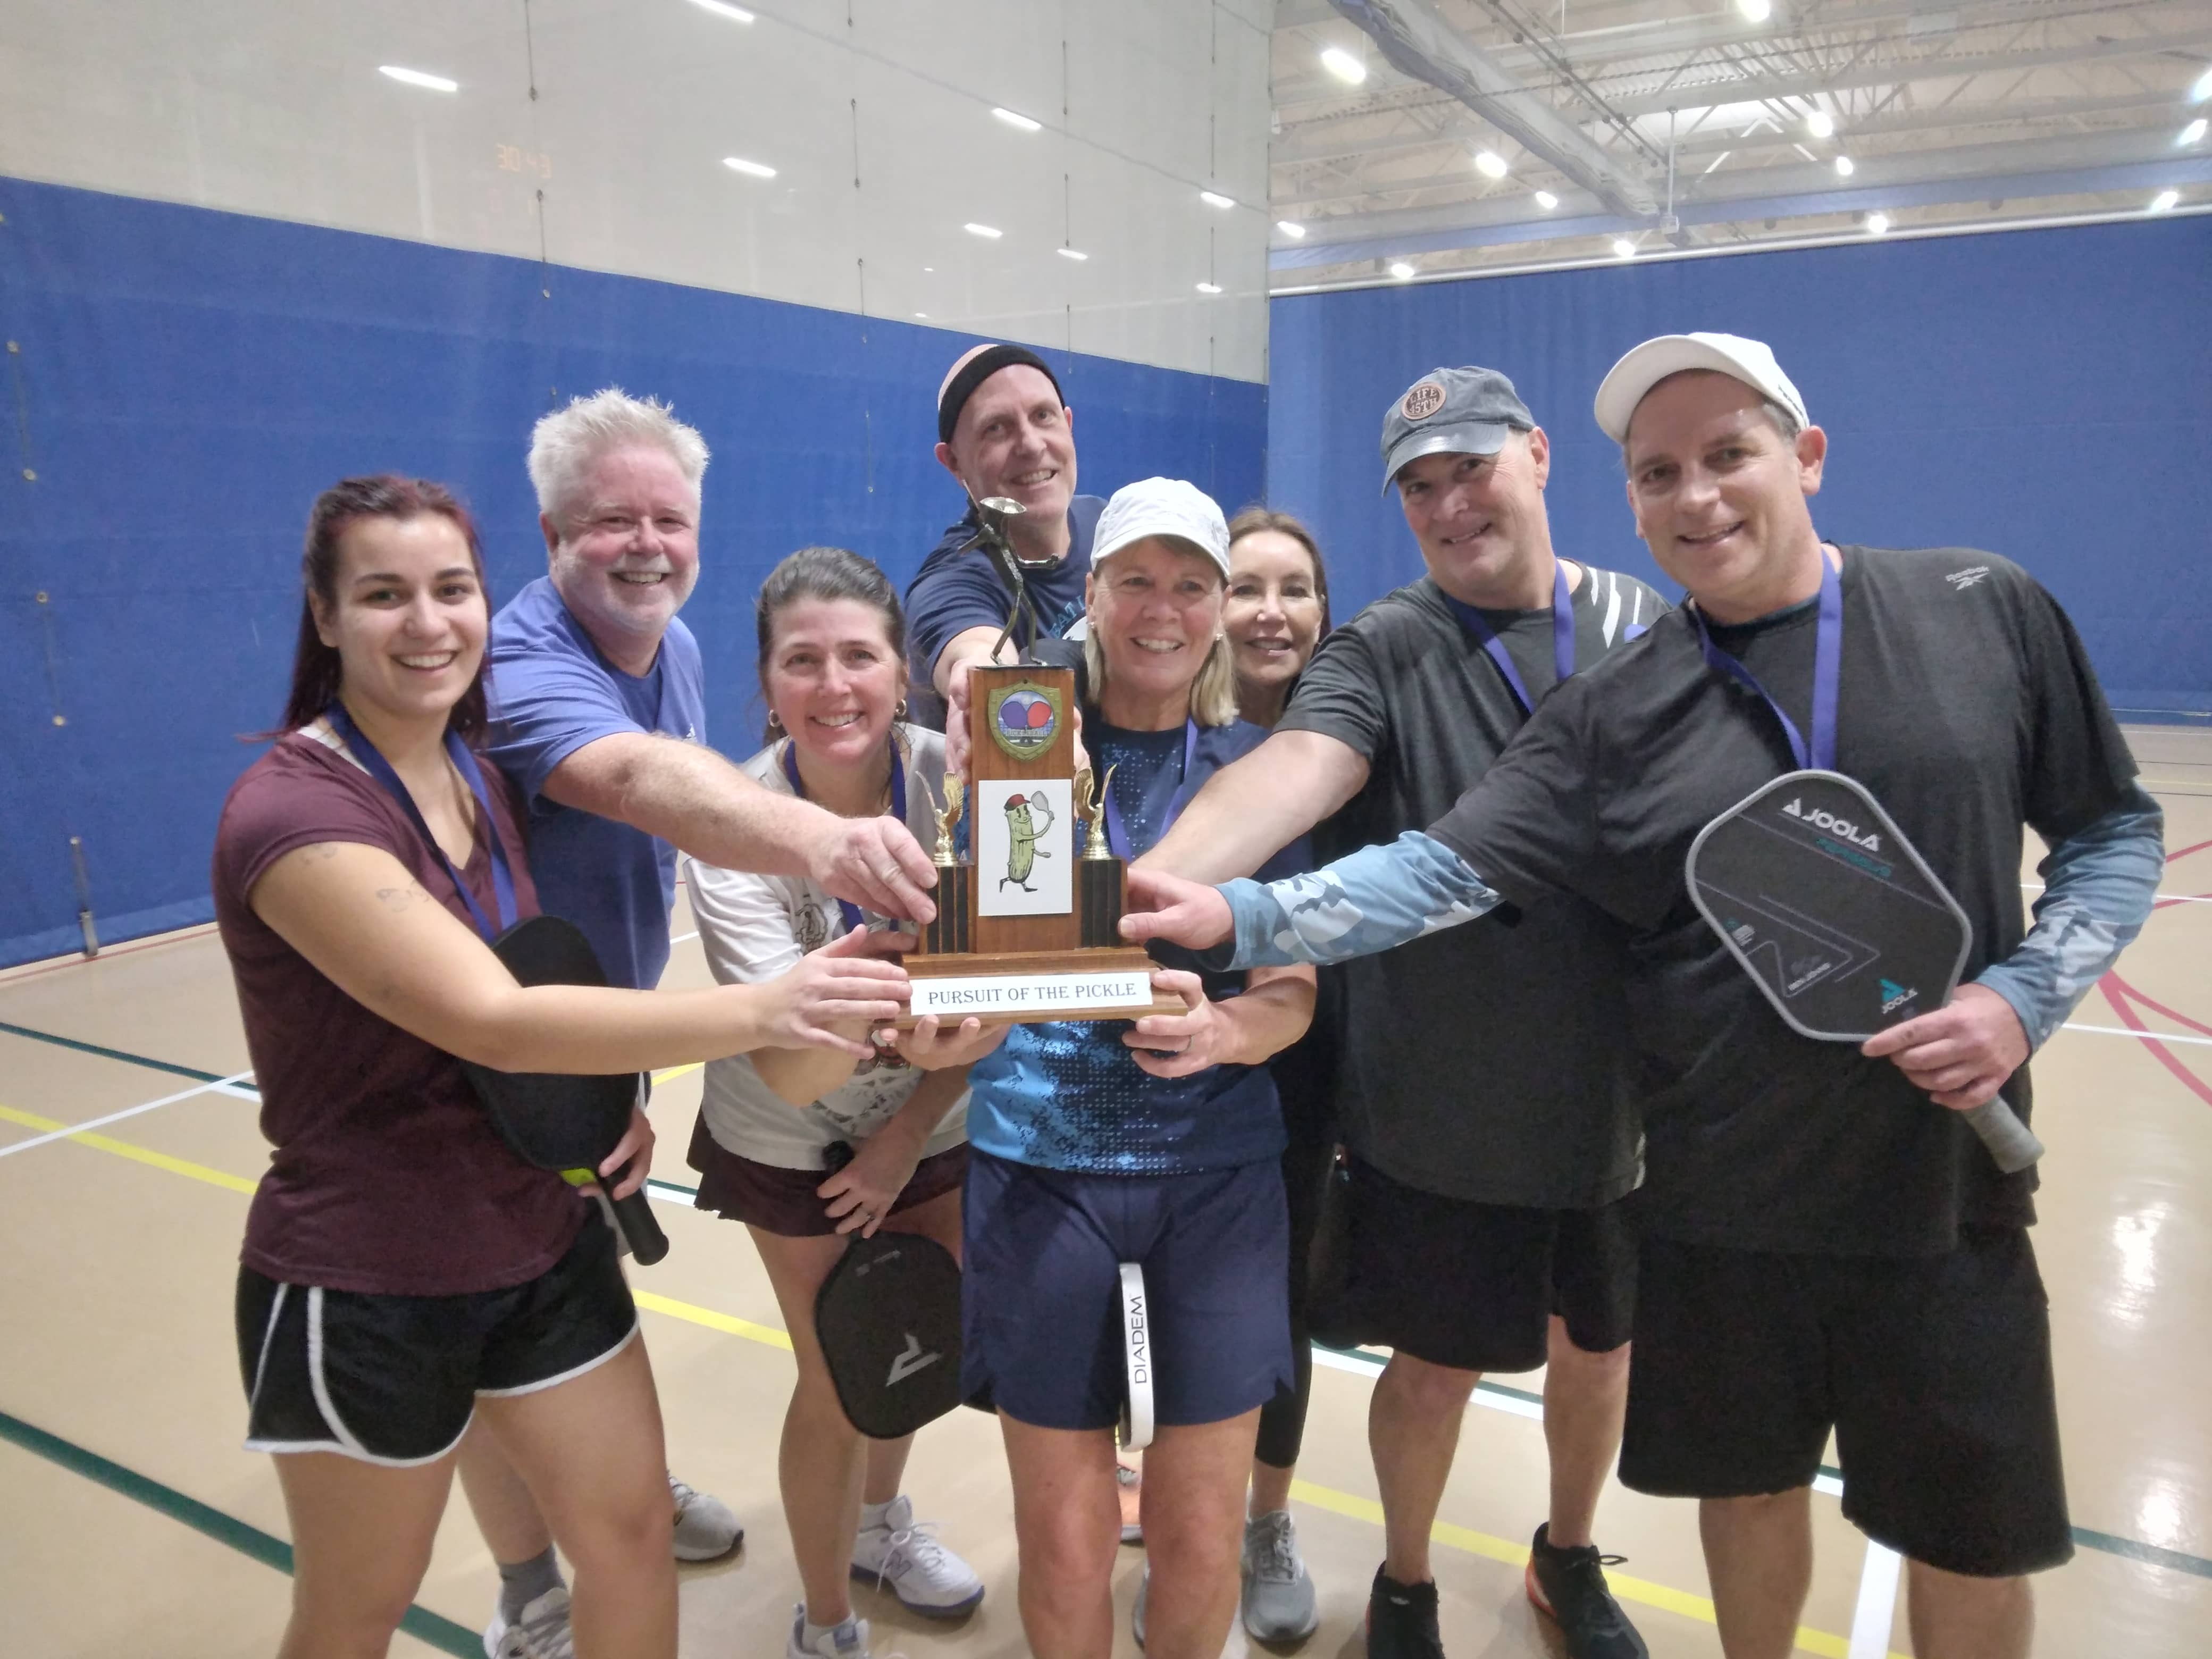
(1451, 411)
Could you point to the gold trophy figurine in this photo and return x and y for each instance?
(946, 818)
(1091, 807)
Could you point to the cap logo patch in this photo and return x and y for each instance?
(1423, 401)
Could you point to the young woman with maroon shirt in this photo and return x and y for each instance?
(403, 1269)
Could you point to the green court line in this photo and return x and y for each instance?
(127, 1058)
(439, 1632)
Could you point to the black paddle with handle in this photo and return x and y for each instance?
(1836, 917)
(559, 1120)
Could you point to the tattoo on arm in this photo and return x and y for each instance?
(398, 898)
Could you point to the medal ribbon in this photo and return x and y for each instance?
(851, 912)
(1820, 755)
(1562, 637)
(1117, 833)
(465, 762)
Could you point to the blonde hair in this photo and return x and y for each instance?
(1212, 693)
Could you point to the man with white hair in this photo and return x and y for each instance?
(599, 716)
(1824, 1248)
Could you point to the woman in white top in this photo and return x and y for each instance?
(832, 665)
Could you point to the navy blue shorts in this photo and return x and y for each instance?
(1041, 1290)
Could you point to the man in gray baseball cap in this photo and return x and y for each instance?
(1493, 1135)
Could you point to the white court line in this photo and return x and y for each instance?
(682, 938)
(1877, 1605)
(2140, 1037)
(220, 1085)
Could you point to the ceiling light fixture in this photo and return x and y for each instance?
(1209, 288)
(2165, 200)
(1845, 166)
(1402, 269)
(1546, 200)
(1718, 159)
(1755, 11)
(1020, 122)
(1490, 164)
(750, 169)
(2203, 88)
(1343, 66)
(1623, 248)
(735, 14)
(988, 233)
(1070, 254)
(1291, 227)
(923, 315)
(417, 78)
(2190, 133)
(1215, 198)
(1820, 123)
(1877, 224)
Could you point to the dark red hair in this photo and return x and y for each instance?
(316, 669)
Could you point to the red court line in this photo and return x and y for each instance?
(2117, 992)
(2186, 851)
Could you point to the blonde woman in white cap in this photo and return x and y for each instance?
(1096, 1144)
(1824, 1248)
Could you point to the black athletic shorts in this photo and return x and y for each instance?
(1935, 1372)
(1473, 1285)
(394, 1379)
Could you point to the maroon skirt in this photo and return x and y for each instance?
(783, 1201)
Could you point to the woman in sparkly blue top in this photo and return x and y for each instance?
(1103, 1142)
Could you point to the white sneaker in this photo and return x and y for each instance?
(923, 1574)
(846, 1640)
(706, 1527)
(542, 1632)
(1279, 1601)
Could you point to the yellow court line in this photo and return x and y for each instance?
(675, 1072)
(1465, 1538)
(136, 1154)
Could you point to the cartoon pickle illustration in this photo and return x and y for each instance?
(1023, 833)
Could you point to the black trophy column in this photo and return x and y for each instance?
(1101, 882)
(948, 935)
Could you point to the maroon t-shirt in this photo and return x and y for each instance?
(388, 1177)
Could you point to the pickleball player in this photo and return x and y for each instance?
(1156, 1142)
(1823, 1248)
(403, 1269)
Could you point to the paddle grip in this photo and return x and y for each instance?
(634, 1215)
(2011, 1143)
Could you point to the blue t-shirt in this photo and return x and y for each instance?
(551, 692)
(1066, 1094)
(954, 591)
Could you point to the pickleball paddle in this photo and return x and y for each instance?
(1839, 921)
(559, 1120)
(888, 1317)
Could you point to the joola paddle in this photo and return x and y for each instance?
(1817, 893)
(560, 1121)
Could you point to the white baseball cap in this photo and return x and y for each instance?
(1162, 506)
(1748, 361)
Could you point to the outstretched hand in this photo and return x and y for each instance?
(845, 980)
(875, 863)
(1961, 1054)
(934, 1051)
(1165, 907)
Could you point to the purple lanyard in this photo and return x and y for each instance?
(464, 762)
(851, 912)
(1117, 833)
(1827, 674)
(1562, 637)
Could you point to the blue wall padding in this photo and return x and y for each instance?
(189, 379)
(2045, 394)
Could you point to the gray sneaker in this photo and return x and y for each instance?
(1279, 1604)
(542, 1632)
(706, 1527)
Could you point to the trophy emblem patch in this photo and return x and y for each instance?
(1025, 718)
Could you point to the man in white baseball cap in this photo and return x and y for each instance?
(1824, 1249)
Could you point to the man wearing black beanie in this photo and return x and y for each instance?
(1003, 429)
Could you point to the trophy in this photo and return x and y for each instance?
(1027, 929)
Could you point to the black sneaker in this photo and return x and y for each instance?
(1401, 1620)
(1569, 1585)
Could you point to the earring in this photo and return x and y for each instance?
(899, 713)
(774, 721)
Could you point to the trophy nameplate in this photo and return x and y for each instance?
(1028, 929)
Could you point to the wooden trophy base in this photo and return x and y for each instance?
(1111, 982)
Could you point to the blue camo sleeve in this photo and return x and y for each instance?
(1366, 901)
(2099, 885)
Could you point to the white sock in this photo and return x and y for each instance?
(810, 1633)
(874, 1515)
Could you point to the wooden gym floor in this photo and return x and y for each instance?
(130, 1522)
